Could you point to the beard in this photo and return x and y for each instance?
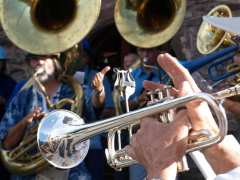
(43, 75)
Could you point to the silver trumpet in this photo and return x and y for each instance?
(63, 141)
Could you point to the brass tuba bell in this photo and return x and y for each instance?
(149, 23)
(210, 38)
(48, 26)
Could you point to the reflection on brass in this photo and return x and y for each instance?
(210, 38)
(48, 26)
(25, 158)
(57, 141)
(117, 158)
(149, 23)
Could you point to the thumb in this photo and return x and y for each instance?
(105, 70)
(130, 151)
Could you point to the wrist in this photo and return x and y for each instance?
(227, 151)
(167, 173)
(100, 92)
(27, 120)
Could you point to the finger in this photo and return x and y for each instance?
(99, 77)
(105, 70)
(182, 118)
(94, 83)
(148, 121)
(150, 85)
(36, 108)
(130, 151)
(176, 71)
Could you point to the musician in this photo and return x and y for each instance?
(148, 70)
(129, 60)
(95, 85)
(7, 83)
(163, 152)
(7, 86)
(30, 105)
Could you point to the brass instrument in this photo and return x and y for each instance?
(149, 23)
(47, 27)
(124, 87)
(64, 131)
(25, 158)
(210, 38)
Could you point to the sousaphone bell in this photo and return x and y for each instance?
(48, 26)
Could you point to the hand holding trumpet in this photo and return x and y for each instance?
(159, 146)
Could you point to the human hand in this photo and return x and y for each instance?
(35, 115)
(142, 99)
(158, 146)
(97, 81)
(199, 112)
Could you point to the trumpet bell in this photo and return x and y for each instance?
(47, 27)
(149, 23)
(59, 147)
(209, 38)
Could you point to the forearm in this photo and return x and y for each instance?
(15, 135)
(224, 156)
(98, 99)
(167, 173)
(232, 106)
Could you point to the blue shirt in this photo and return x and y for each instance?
(89, 75)
(23, 103)
(91, 114)
(140, 74)
(16, 89)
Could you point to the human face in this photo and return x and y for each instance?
(128, 61)
(44, 68)
(148, 56)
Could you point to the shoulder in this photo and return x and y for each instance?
(137, 71)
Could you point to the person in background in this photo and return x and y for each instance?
(148, 70)
(94, 84)
(130, 60)
(7, 83)
(7, 86)
(163, 152)
(31, 104)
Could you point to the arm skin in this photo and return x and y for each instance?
(145, 150)
(99, 93)
(16, 133)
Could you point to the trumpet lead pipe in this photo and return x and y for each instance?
(232, 91)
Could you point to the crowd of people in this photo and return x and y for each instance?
(156, 146)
